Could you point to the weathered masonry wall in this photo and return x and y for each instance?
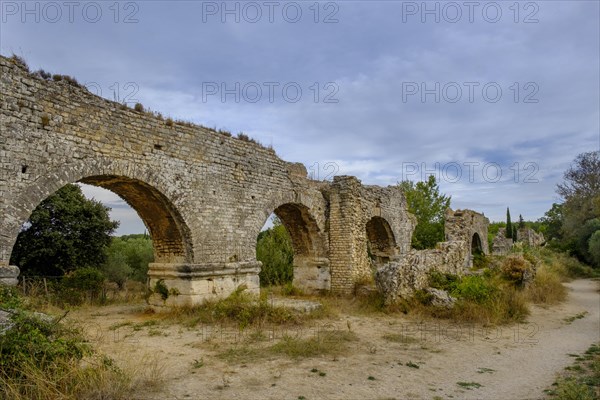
(466, 235)
(203, 195)
(468, 226)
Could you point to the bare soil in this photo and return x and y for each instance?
(394, 357)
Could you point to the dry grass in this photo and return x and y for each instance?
(546, 288)
(94, 378)
(326, 343)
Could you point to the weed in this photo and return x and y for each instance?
(400, 338)
(45, 120)
(160, 287)
(411, 364)
(20, 61)
(138, 107)
(582, 379)
(483, 370)
(572, 318)
(198, 363)
(118, 325)
(326, 343)
(371, 378)
(469, 385)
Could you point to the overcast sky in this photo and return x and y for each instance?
(505, 94)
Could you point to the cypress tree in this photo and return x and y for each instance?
(509, 227)
(514, 233)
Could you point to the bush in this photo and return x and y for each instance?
(43, 340)
(9, 297)
(42, 359)
(594, 248)
(546, 288)
(440, 280)
(475, 288)
(516, 268)
(79, 285)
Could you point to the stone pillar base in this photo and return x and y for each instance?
(191, 284)
(312, 275)
(9, 275)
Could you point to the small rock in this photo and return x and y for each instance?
(441, 298)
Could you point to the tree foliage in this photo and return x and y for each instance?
(570, 226)
(594, 247)
(128, 257)
(274, 250)
(65, 232)
(551, 223)
(429, 206)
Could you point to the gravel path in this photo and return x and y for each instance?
(511, 362)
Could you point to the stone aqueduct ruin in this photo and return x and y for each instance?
(204, 196)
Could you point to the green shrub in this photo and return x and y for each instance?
(480, 260)
(162, 289)
(475, 288)
(440, 280)
(9, 297)
(274, 250)
(81, 284)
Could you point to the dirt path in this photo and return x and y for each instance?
(514, 362)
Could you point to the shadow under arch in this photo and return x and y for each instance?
(172, 240)
(311, 262)
(381, 240)
(165, 224)
(476, 246)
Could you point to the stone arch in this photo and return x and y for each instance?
(311, 265)
(381, 240)
(476, 245)
(170, 234)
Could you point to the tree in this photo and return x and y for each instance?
(514, 233)
(509, 227)
(594, 248)
(274, 250)
(65, 232)
(521, 222)
(582, 180)
(128, 257)
(551, 223)
(581, 208)
(429, 207)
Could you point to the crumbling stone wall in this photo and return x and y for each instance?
(203, 195)
(501, 245)
(468, 226)
(466, 234)
(400, 278)
(530, 237)
(353, 207)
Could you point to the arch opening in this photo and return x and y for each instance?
(381, 243)
(476, 246)
(309, 262)
(170, 236)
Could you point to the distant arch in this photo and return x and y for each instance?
(381, 240)
(476, 245)
(310, 262)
